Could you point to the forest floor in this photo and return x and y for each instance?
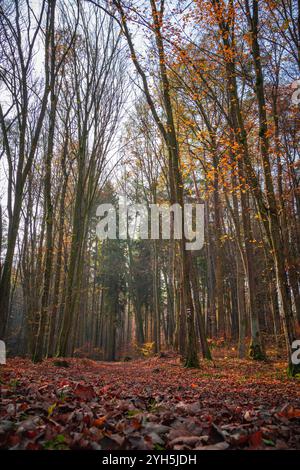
(148, 404)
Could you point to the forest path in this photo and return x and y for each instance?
(146, 404)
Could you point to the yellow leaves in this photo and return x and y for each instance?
(186, 167)
(188, 122)
(285, 25)
(51, 409)
(210, 175)
(202, 135)
(223, 237)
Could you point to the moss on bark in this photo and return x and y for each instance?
(293, 370)
(192, 362)
(256, 352)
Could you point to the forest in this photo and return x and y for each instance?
(138, 339)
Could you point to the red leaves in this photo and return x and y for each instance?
(84, 392)
(31, 434)
(255, 439)
(13, 440)
(98, 406)
(136, 423)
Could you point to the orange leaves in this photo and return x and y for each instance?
(248, 38)
(289, 412)
(228, 53)
(202, 135)
(99, 422)
(210, 175)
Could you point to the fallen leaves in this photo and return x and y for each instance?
(147, 404)
(218, 446)
(99, 422)
(289, 412)
(51, 409)
(84, 392)
(255, 439)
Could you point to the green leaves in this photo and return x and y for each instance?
(58, 443)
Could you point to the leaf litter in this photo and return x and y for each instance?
(148, 404)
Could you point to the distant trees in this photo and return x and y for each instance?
(22, 119)
(96, 70)
(57, 125)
